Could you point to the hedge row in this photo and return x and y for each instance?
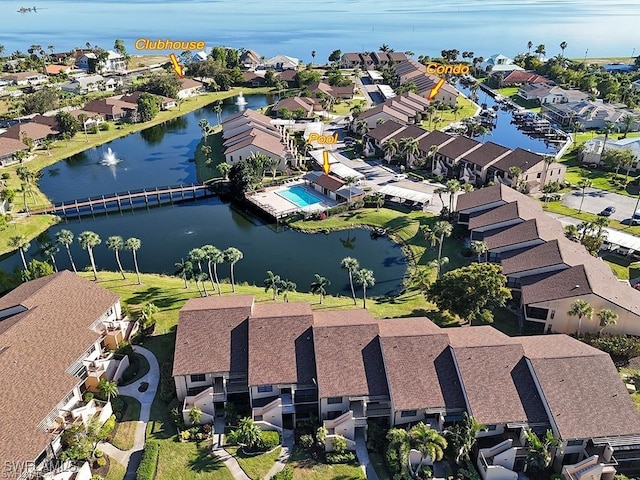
(148, 464)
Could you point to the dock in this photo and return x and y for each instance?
(130, 200)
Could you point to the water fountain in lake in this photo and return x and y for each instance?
(109, 158)
(240, 100)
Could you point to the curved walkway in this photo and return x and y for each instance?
(131, 458)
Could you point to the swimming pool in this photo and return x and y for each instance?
(299, 196)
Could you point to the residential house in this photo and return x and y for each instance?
(55, 337)
(35, 131)
(89, 119)
(350, 60)
(448, 155)
(114, 62)
(373, 59)
(381, 133)
(265, 144)
(382, 113)
(518, 77)
(252, 79)
(350, 369)
(307, 104)
(534, 170)
(499, 63)
(429, 144)
(282, 62)
(189, 88)
(545, 93)
(53, 69)
(165, 102)
(474, 165)
(484, 199)
(245, 120)
(91, 83)
(26, 78)
(289, 77)
(587, 113)
(112, 108)
(504, 216)
(8, 149)
(345, 92)
(249, 59)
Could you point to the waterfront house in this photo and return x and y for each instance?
(289, 77)
(268, 145)
(545, 93)
(252, 79)
(589, 114)
(8, 149)
(133, 97)
(349, 369)
(499, 63)
(35, 131)
(249, 59)
(450, 153)
(411, 71)
(112, 108)
(517, 78)
(189, 88)
(114, 62)
(344, 92)
(55, 337)
(534, 170)
(474, 165)
(374, 59)
(293, 104)
(281, 62)
(26, 78)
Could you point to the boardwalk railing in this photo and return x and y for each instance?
(130, 200)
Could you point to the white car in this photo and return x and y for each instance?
(399, 176)
(636, 218)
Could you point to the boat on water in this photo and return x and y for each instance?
(27, 9)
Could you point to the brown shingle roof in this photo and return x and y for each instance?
(281, 344)
(556, 346)
(486, 196)
(568, 283)
(293, 103)
(482, 335)
(458, 147)
(35, 131)
(520, 158)
(39, 347)
(385, 129)
(212, 335)
(382, 108)
(554, 252)
(486, 154)
(437, 384)
(187, 83)
(436, 138)
(349, 361)
(586, 396)
(9, 146)
(411, 131)
(498, 385)
(540, 227)
(332, 184)
(262, 140)
(332, 318)
(525, 209)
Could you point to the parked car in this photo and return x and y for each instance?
(399, 176)
(607, 211)
(636, 218)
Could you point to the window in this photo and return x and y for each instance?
(408, 413)
(199, 377)
(553, 314)
(491, 427)
(539, 175)
(257, 418)
(334, 400)
(574, 443)
(265, 388)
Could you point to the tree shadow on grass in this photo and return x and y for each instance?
(205, 461)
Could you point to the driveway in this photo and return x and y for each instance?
(597, 200)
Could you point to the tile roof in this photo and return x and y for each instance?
(498, 385)
(459, 146)
(216, 328)
(487, 153)
(39, 347)
(281, 344)
(349, 361)
(486, 196)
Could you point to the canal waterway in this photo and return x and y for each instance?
(160, 156)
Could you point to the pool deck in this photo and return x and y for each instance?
(279, 207)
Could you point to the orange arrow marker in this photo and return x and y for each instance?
(434, 90)
(176, 66)
(326, 166)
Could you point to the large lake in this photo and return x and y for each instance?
(294, 27)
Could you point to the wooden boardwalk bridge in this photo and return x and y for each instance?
(130, 200)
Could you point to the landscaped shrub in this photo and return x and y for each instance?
(286, 474)
(622, 348)
(376, 438)
(346, 457)
(232, 437)
(469, 472)
(269, 440)
(104, 127)
(167, 387)
(339, 444)
(125, 348)
(147, 468)
(107, 428)
(6, 176)
(306, 441)
(101, 462)
(98, 453)
(118, 405)
(87, 397)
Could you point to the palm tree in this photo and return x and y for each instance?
(462, 436)
(421, 279)
(319, 286)
(548, 160)
(287, 286)
(356, 110)
(116, 243)
(217, 108)
(563, 45)
(580, 309)
(205, 127)
(196, 255)
(429, 235)
(540, 450)
(378, 199)
(362, 127)
(365, 278)
(272, 282)
(217, 257)
(479, 248)
(607, 317)
(20, 242)
(108, 389)
(428, 442)
(609, 128)
(224, 169)
(433, 149)
(514, 174)
(211, 253)
(390, 148)
(88, 240)
(442, 229)
(50, 249)
(134, 245)
(453, 187)
(540, 50)
(313, 55)
(583, 184)
(65, 237)
(203, 277)
(529, 46)
(627, 121)
(232, 255)
(184, 269)
(351, 265)
(410, 147)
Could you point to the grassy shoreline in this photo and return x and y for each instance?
(32, 226)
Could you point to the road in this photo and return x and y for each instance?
(597, 200)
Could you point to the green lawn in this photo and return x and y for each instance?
(447, 116)
(505, 321)
(344, 107)
(623, 267)
(557, 207)
(206, 165)
(116, 470)
(125, 430)
(257, 466)
(600, 178)
(512, 93)
(377, 460)
(304, 468)
(29, 228)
